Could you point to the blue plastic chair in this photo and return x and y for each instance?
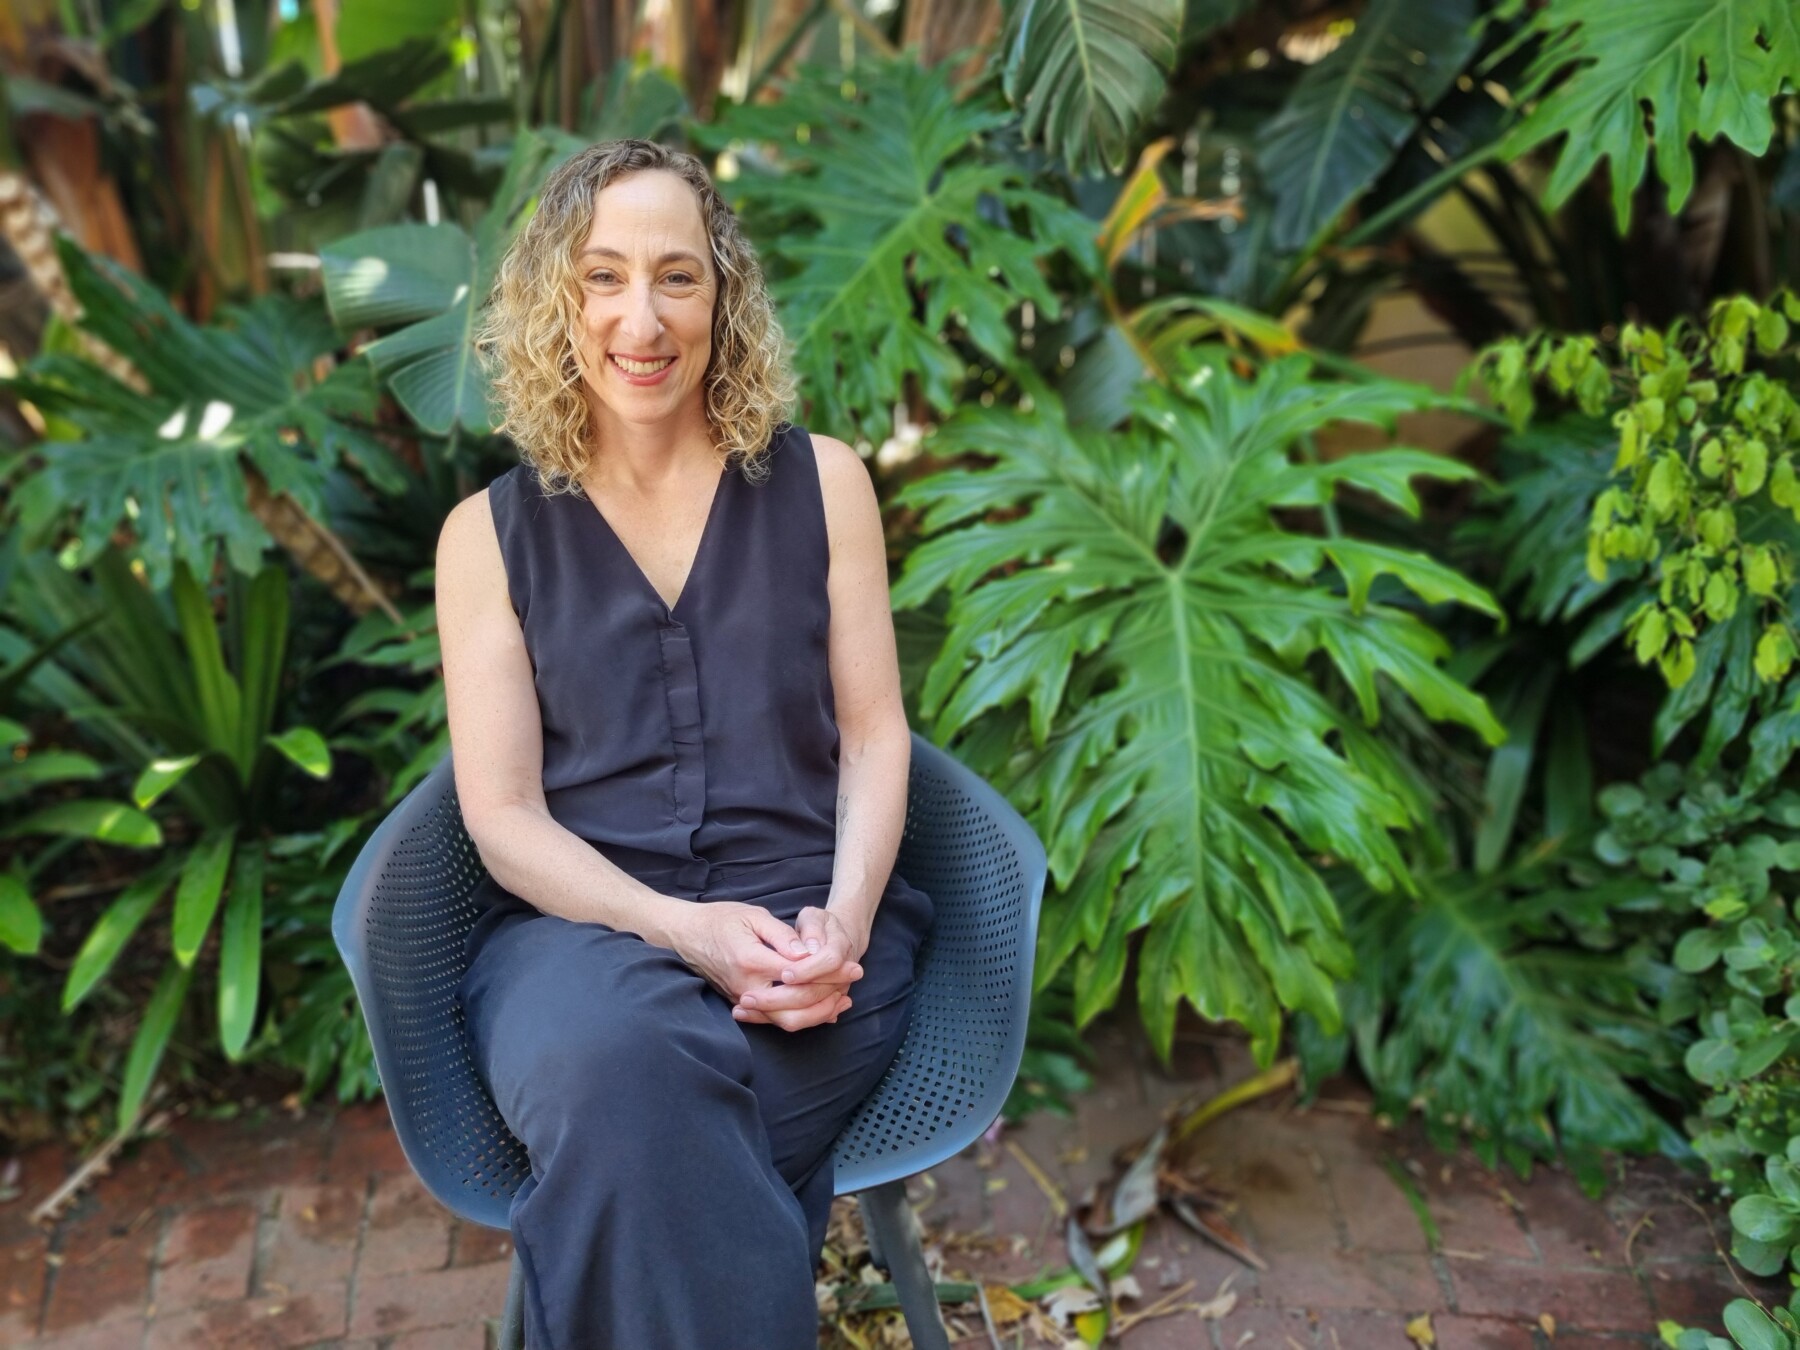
(405, 909)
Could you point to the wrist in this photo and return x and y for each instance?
(857, 919)
(667, 922)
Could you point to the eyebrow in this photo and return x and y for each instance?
(679, 255)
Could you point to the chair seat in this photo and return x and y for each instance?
(406, 908)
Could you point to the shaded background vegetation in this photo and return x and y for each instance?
(1339, 482)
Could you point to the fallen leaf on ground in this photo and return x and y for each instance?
(1419, 1331)
(1066, 1304)
(1134, 1199)
(1548, 1323)
(1221, 1303)
(1004, 1306)
(1216, 1231)
(1081, 1256)
(1219, 1308)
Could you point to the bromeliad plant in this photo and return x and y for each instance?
(25, 772)
(193, 705)
(1142, 649)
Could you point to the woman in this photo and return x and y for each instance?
(680, 749)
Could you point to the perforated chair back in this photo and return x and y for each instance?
(406, 908)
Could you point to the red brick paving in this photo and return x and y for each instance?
(310, 1233)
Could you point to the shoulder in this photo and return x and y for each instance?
(852, 514)
(843, 478)
(469, 540)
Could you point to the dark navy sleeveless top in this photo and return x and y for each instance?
(696, 747)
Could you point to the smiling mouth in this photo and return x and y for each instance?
(631, 367)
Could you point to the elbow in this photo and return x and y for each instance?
(886, 739)
(487, 825)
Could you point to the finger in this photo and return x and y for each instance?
(832, 956)
(818, 970)
(777, 935)
(810, 1017)
(787, 997)
(812, 927)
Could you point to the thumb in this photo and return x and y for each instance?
(778, 935)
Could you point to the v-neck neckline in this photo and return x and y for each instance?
(687, 583)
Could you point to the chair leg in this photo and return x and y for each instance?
(894, 1244)
(512, 1321)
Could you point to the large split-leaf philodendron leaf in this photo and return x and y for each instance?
(1349, 114)
(1618, 79)
(1084, 74)
(167, 462)
(893, 232)
(1147, 636)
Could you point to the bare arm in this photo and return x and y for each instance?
(874, 754)
(875, 747)
(496, 727)
(497, 732)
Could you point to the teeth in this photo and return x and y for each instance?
(641, 367)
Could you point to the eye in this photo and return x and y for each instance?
(679, 279)
(602, 275)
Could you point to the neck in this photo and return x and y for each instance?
(642, 457)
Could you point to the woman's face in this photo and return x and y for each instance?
(647, 288)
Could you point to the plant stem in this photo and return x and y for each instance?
(546, 57)
(1433, 185)
(867, 31)
(780, 55)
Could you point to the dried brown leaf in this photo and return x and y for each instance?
(1216, 1231)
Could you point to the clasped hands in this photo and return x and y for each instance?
(792, 977)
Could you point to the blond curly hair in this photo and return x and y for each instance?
(528, 335)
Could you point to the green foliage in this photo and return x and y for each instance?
(1051, 1070)
(52, 1071)
(1508, 1009)
(434, 279)
(317, 1024)
(1084, 74)
(167, 465)
(196, 704)
(1723, 860)
(1349, 114)
(1132, 636)
(900, 236)
(405, 730)
(27, 772)
(1706, 491)
(1619, 80)
(1748, 1325)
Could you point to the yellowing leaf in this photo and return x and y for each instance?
(1761, 574)
(1774, 653)
(1419, 1331)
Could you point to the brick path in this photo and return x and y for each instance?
(311, 1234)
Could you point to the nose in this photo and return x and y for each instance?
(641, 325)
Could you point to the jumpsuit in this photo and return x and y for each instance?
(681, 1170)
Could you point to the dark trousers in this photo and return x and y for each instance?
(680, 1160)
